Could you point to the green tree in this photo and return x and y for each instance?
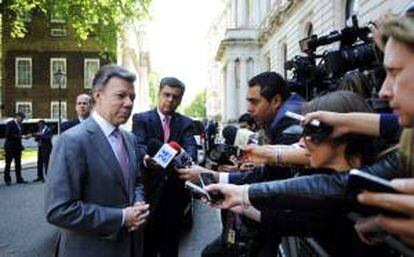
(197, 108)
(103, 18)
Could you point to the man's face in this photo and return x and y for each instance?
(83, 106)
(114, 102)
(19, 119)
(169, 98)
(398, 86)
(260, 108)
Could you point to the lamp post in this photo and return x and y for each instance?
(59, 78)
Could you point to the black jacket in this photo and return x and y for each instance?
(13, 140)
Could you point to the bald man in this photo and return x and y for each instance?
(83, 109)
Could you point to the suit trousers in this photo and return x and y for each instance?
(11, 155)
(43, 155)
(163, 229)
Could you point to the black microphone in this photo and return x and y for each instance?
(182, 159)
(229, 134)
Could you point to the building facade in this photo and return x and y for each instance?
(30, 64)
(252, 36)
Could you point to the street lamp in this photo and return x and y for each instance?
(59, 78)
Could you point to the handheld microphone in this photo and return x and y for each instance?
(182, 159)
(162, 154)
(239, 136)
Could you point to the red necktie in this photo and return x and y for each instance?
(166, 127)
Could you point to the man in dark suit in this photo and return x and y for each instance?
(165, 190)
(94, 192)
(44, 141)
(13, 147)
(83, 109)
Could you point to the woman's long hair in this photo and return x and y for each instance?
(344, 102)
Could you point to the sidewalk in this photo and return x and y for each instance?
(27, 163)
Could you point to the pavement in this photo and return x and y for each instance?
(24, 231)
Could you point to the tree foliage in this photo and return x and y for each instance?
(101, 18)
(197, 108)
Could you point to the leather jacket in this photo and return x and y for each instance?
(295, 193)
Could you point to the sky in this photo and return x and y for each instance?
(177, 40)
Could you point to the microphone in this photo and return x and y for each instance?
(229, 134)
(182, 159)
(239, 136)
(162, 154)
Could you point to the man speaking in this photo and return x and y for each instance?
(94, 192)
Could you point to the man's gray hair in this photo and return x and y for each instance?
(109, 71)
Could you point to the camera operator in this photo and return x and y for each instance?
(304, 215)
(398, 88)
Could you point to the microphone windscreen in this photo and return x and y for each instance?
(229, 134)
(175, 145)
(154, 145)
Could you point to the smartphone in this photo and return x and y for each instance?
(359, 181)
(207, 179)
(198, 191)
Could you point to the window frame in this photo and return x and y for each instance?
(52, 60)
(17, 59)
(29, 103)
(85, 79)
(64, 109)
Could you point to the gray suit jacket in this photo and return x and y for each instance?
(85, 194)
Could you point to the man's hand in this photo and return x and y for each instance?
(334, 119)
(402, 203)
(233, 195)
(150, 163)
(136, 216)
(193, 173)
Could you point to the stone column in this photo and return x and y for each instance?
(242, 103)
(230, 99)
(234, 12)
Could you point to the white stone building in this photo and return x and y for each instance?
(252, 36)
(133, 54)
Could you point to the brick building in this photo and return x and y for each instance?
(29, 65)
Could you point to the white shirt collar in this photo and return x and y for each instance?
(106, 127)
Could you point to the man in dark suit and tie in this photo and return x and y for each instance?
(94, 192)
(13, 147)
(83, 109)
(44, 140)
(165, 190)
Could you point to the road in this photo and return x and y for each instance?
(25, 233)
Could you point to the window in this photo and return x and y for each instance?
(23, 72)
(250, 68)
(54, 110)
(284, 59)
(24, 107)
(58, 32)
(91, 66)
(308, 29)
(55, 65)
(57, 17)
